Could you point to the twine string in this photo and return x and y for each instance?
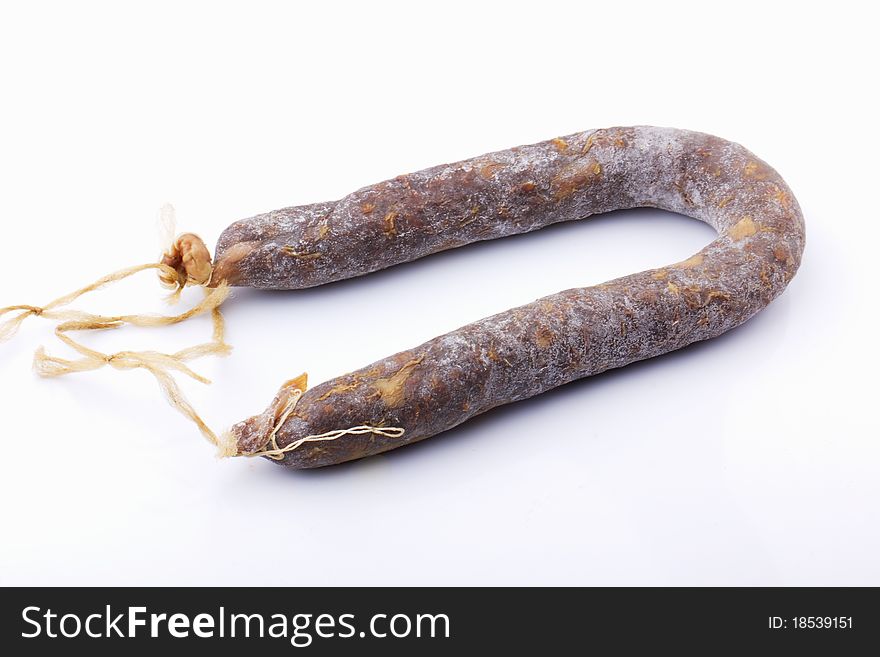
(161, 365)
(50, 310)
(276, 453)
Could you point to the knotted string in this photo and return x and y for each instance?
(185, 260)
(50, 310)
(160, 365)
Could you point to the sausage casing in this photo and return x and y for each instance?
(559, 338)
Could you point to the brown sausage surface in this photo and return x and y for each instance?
(530, 349)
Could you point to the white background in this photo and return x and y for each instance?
(749, 460)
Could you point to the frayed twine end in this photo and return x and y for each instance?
(227, 445)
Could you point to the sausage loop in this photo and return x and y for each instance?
(499, 359)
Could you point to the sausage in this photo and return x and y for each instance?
(552, 341)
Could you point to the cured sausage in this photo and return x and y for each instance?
(525, 351)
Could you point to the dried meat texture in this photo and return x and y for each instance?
(557, 339)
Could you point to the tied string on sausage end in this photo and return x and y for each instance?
(272, 450)
(185, 261)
